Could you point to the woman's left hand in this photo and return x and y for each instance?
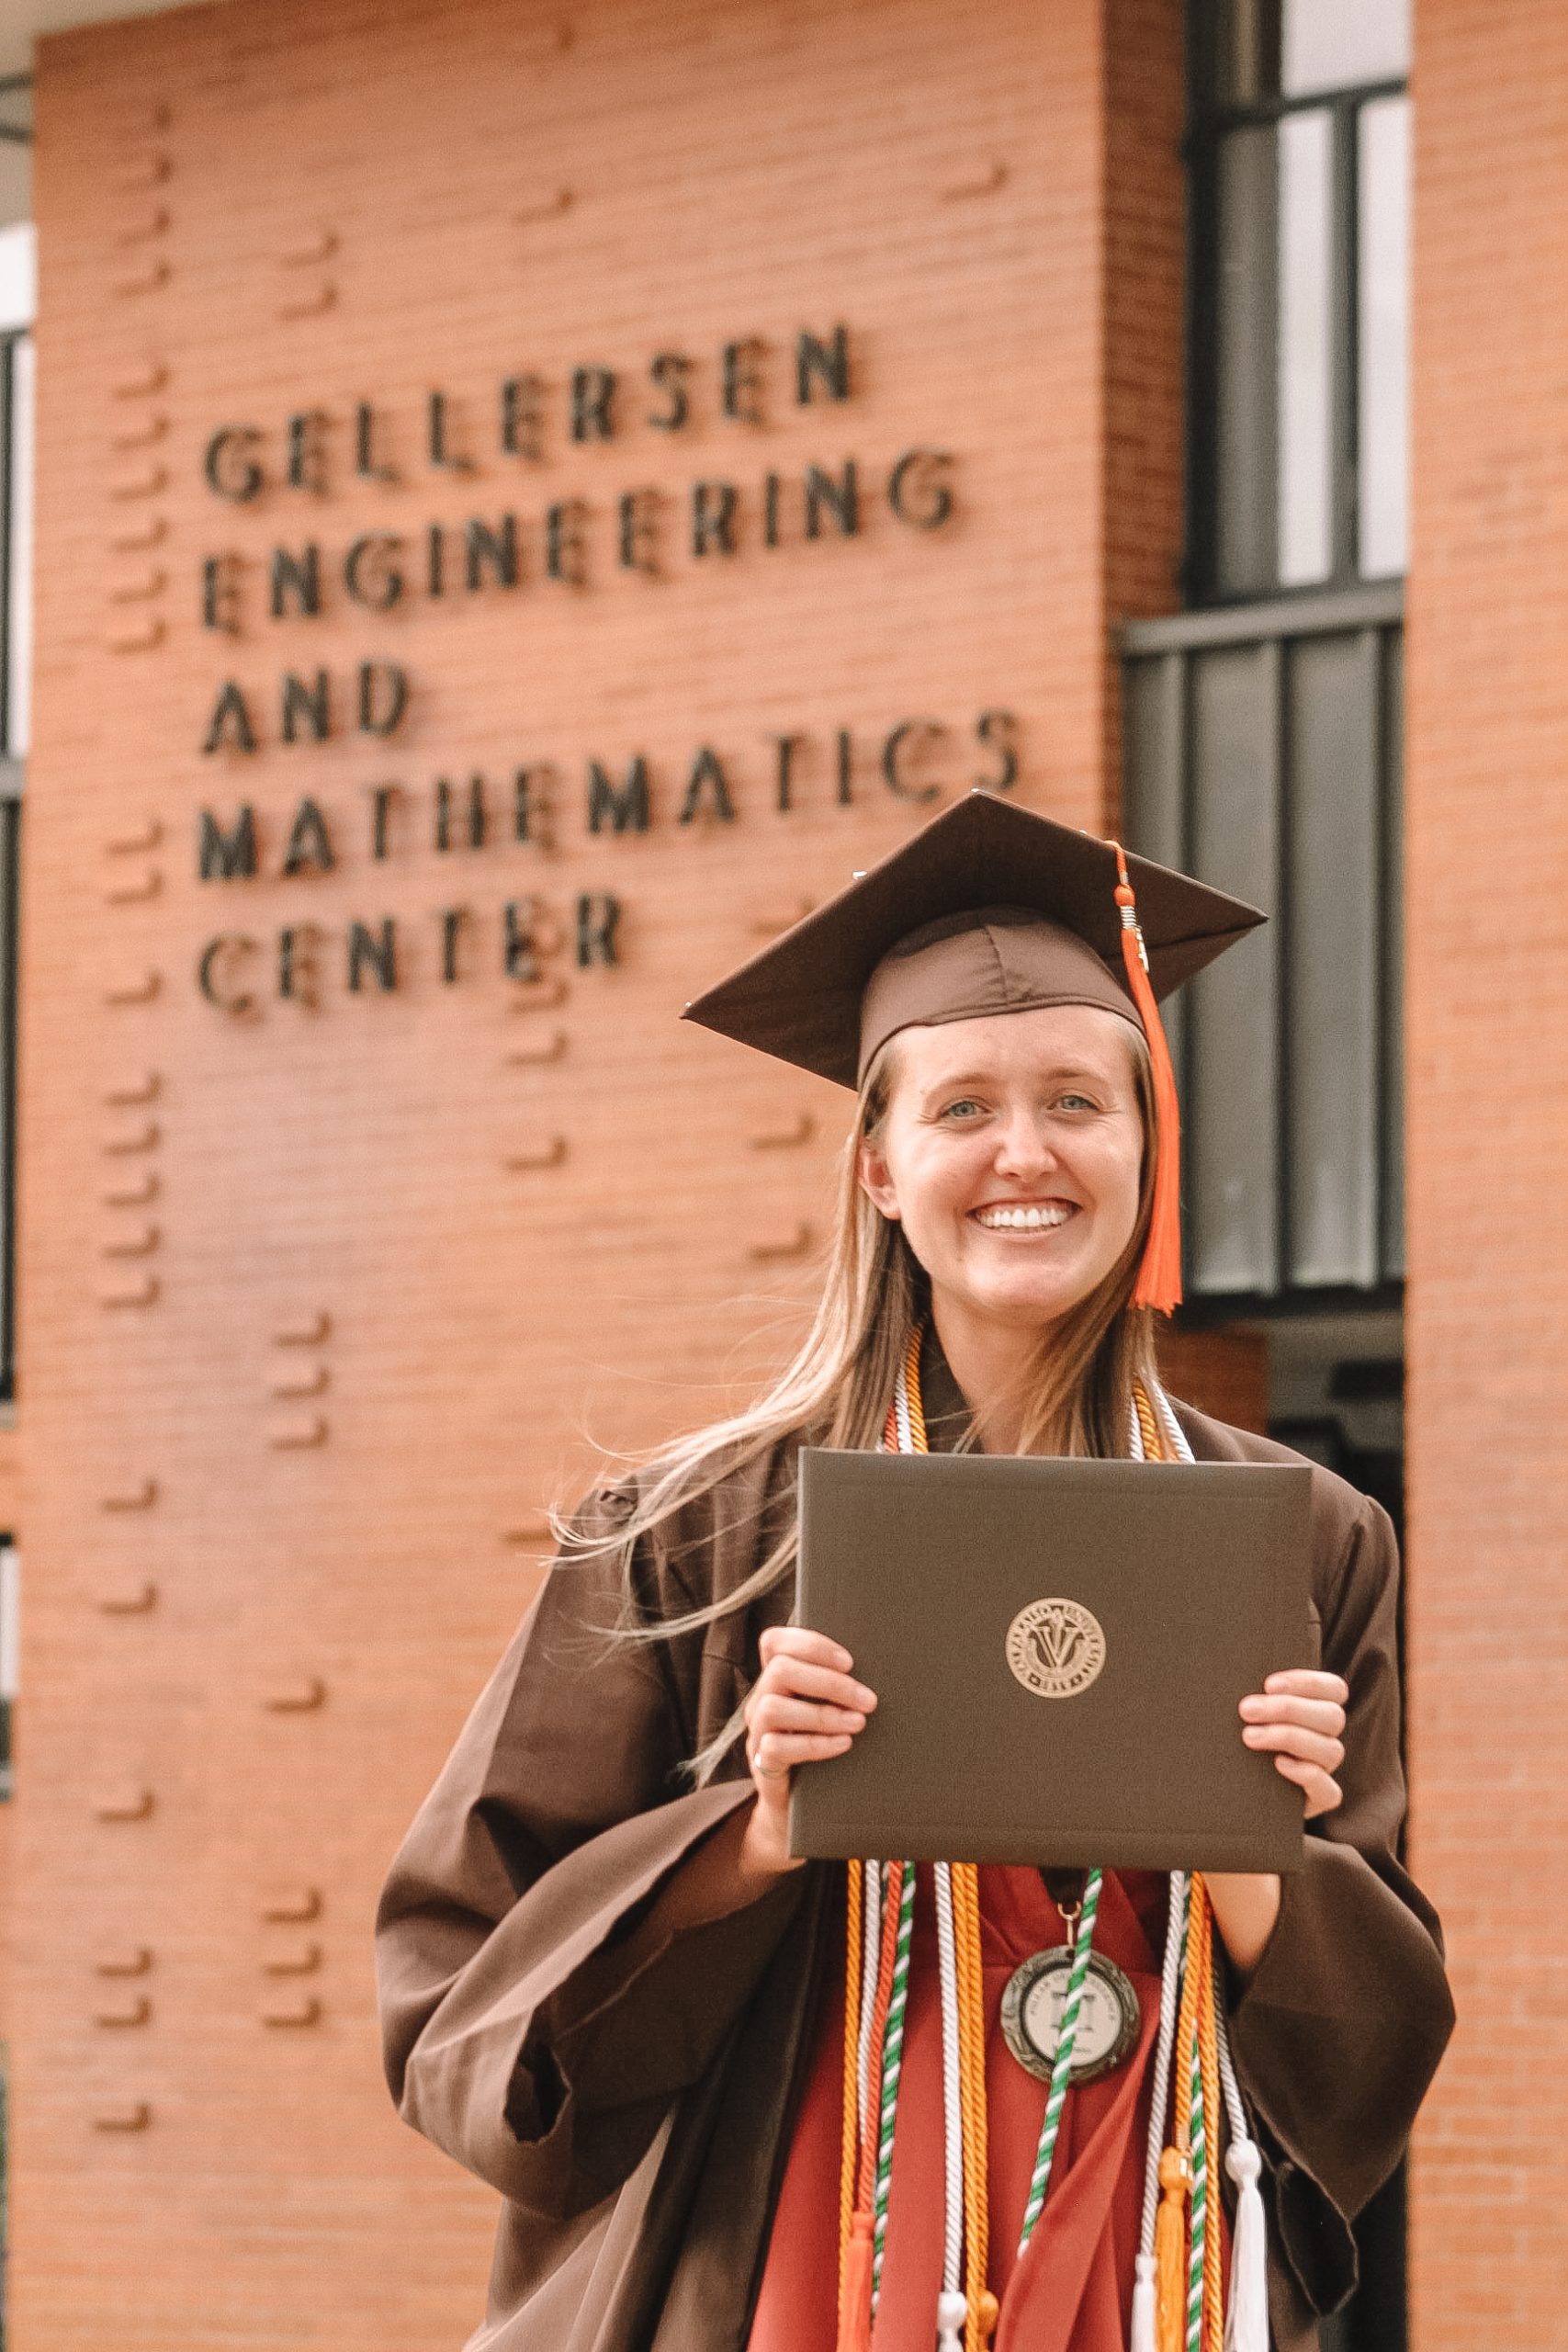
(1299, 1715)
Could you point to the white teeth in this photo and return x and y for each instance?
(1031, 1220)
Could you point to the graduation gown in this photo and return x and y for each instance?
(632, 2089)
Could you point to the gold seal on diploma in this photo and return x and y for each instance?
(1055, 1648)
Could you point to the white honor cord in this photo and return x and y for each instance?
(870, 1955)
(901, 1412)
(1165, 2047)
(1236, 2113)
(1246, 2312)
(951, 2108)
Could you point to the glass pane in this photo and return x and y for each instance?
(1382, 391)
(1334, 44)
(1245, 316)
(1332, 954)
(1393, 958)
(1233, 1121)
(20, 556)
(1305, 347)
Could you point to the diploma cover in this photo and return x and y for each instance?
(1058, 1649)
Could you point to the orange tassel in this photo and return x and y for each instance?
(854, 2302)
(1171, 2252)
(1159, 1277)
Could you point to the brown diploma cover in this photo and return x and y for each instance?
(1059, 1650)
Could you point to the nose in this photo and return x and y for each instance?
(1023, 1151)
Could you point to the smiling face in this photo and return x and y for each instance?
(1011, 1153)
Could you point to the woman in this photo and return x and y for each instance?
(606, 1986)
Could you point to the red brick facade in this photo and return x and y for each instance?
(321, 1300)
(323, 1294)
(1487, 882)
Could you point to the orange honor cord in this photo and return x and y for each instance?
(1159, 1277)
(856, 2257)
(918, 1437)
(1209, 2068)
(1148, 1427)
(981, 2317)
(1175, 2164)
(853, 1915)
(1186, 2018)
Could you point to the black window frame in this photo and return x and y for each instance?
(1209, 121)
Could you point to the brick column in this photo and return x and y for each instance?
(1486, 836)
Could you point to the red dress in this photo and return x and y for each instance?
(1072, 2291)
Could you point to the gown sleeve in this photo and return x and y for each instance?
(536, 2020)
(1339, 2030)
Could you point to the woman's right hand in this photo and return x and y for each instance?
(804, 1705)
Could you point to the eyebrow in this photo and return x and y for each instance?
(980, 1076)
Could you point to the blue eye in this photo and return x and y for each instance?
(964, 1102)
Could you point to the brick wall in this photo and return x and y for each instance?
(1487, 866)
(1223, 1373)
(322, 1301)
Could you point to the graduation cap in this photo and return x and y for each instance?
(988, 909)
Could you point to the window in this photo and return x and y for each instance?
(1300, 180)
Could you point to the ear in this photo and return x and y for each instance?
(876, 1184)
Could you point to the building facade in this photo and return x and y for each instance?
(518, 504)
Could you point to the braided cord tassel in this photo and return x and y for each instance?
(1247, 2316)
(892, 2066)
(1062, 2065)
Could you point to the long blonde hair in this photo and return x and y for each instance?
(836, 1389)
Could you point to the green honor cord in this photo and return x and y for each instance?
(892, 2066)
(1198, 2141)
(1063, 2065)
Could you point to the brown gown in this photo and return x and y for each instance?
(632, 2092)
